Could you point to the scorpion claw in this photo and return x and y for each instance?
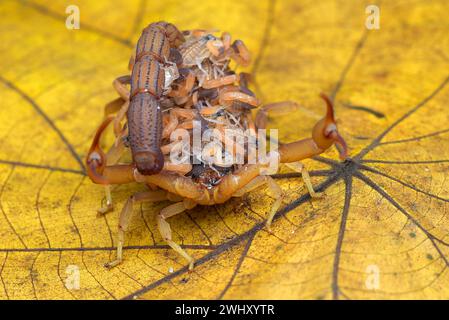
(340, 144)
(326, 132)
(96, 160)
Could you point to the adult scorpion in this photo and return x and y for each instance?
(208, 90)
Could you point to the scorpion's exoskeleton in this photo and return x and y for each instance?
(147, 85)
(204, 88)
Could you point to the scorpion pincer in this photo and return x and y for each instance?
(147, 86)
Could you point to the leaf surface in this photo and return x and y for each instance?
(381, 231)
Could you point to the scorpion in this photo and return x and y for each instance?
(156, 106)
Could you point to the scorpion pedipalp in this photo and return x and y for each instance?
(330, 129)
(324, 135)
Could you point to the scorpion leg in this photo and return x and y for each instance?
(252, 185)
(173, 121)
(152, 196)
(226, 98)
(183, 89)
(223, 81)
(274, 188)
(115, 151)
(113, 106)
(228, 141)
(200, 66)
(279, 196)
(240, 53)
(109, 206)
(300, 168)
(119, 105)
(196, 33)
(174, 146)
(211, 111)
(165, 230)
(120, 86)
(277, 109)
(171, 125)
(186, 125)
(226, 39)
(216, 47)
(121, 114)
(182, 168)
(250, 123)
(112, 157)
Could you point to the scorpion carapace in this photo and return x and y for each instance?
(147, 84)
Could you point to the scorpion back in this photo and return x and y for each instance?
(147, 84)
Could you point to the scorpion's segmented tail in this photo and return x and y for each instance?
(145, 130)
(147, 83)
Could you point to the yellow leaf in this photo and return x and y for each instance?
(381, 231)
